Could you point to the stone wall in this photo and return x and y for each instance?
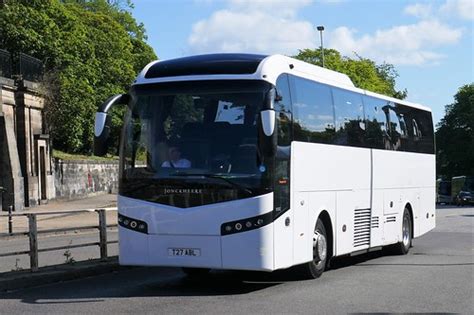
(81, 179)
(25, 163)
(27, 171)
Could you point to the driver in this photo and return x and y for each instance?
(175, 160)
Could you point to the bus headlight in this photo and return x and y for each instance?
(132, 224)
(247, 224)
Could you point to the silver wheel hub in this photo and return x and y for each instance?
(319, 247)
(406, 231)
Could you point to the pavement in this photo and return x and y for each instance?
(89, 203)
(435, 277)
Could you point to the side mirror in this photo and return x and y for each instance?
(267, 138)
(102, 123)
(268, 121)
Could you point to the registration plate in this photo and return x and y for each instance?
(192, 252)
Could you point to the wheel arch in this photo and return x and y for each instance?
(326, 219)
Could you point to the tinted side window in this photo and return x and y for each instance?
(416, 129)
(313, 111)
(376, 131)
(394, 129)
(283, 110)
(403, 117)
(397, 127)
(349, 112)
(281, 182)
(423, 124)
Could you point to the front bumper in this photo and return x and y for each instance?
(251, 250)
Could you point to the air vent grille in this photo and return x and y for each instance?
(391, 219)
(362, 222)
(375, 222)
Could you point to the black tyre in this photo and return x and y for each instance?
(403, 247)
(315, 268)
(195, 272)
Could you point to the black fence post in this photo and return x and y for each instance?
(10, 220)
(33, 236)
(102, 234)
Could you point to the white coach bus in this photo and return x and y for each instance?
(250, 162)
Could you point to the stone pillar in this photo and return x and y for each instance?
(10, 170)
(29, 108)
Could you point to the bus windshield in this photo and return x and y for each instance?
(192, 143)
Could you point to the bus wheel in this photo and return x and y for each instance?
(403, 247)
(315, 268)
(195, 272)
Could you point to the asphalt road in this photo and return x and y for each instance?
(436, 276)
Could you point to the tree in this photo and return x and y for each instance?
(364, 73)
(455, 135)
(92, 49)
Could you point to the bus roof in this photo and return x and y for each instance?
(228, 66)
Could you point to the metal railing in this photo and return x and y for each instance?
(5, 64)
(20, 66)
(33, 233)
(29, 68)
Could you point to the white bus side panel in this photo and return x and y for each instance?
(283, 241)
(427, 209)
(333, 169)
(377, 224)
(302, 233)
(401, 178)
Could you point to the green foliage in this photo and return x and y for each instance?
(92, 49)
(364, 73)
(77, 157)
(455, 135)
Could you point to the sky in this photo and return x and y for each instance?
(430, 43)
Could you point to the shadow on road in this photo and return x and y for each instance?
(144, 282)
(171, 282)
(167, 282)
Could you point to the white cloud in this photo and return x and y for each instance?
(272, 26)
(405, 44)
(419, 10)
(463, 9)
(281, 8)
(249, 26)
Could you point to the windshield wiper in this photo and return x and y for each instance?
(234, 184)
